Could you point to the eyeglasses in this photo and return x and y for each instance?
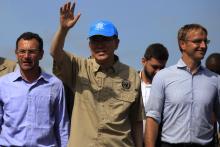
(199, 41)
(29, 51)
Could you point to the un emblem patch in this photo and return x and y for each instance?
(126, 84)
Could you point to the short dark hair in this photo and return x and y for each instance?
(157, 51)
(213, 62)
(183, 31)
(29, 36)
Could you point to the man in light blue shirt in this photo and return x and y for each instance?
(32, 103)
(184, 96)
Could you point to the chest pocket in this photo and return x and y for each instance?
(86, 94)
(85, 89)
(43, 111)
(121, 102)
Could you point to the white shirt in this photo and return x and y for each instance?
(145, 90)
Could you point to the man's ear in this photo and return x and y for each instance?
(89, 45)
(41, 54)
(117, 41)
(144, 61)
(182, 44)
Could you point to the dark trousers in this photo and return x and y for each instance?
(165, 144)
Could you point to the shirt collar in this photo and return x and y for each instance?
(17, 76)
(182, 65)
(115, 67)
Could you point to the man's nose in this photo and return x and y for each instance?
(203, 44)
(27, 54)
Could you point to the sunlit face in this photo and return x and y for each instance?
(28, 54)
(195, 45)
(152, 66)
(103, 48)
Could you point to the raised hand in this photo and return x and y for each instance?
(67, 18)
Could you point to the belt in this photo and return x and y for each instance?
(166, 144)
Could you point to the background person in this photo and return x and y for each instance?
(6, 66)
(155, 58)
(213, 62)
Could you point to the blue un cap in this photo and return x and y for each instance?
(104, 28)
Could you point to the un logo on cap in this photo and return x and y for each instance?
(99, 26)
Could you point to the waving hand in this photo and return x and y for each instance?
(67, 18)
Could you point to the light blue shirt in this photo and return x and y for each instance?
(188, 101)
(32, 114)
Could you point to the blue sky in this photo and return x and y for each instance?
(139, 24)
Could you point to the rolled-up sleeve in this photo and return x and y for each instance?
(1, 115)
(156, 100)
(1, 111)
(217, 102)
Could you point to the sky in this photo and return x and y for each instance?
(139, 23)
